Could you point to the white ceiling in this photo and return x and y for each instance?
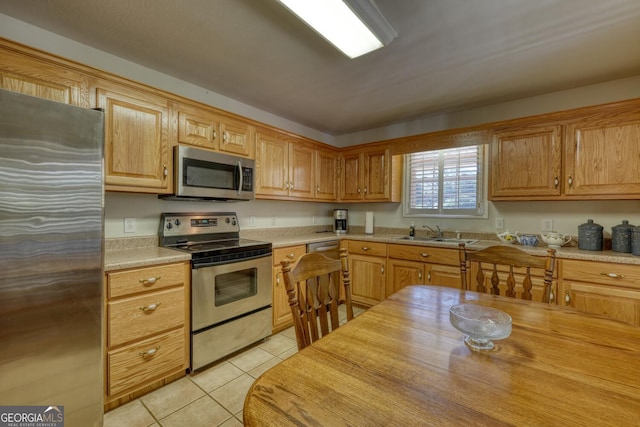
(449, 54)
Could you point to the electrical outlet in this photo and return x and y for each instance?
(547, 224)
(499, 223)
(129, 225)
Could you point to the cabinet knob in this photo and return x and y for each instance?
(358, 190)
(429, 277)
(567, 298)
(214, 135)
(150, 352)
(552, 296)
(420, 275)
(365, 190)
(149, 281)
(382, 270)
(556, 181)
(570, 180)
(225, 136)
(165, 171)
(149, 308)
(318, 189)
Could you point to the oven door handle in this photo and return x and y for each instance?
(195, 264)
(241, 177)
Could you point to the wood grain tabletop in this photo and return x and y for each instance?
(401, 363)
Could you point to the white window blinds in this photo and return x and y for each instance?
(444, 182)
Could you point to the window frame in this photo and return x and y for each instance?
(481, 210)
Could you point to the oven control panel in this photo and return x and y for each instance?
(206, 223)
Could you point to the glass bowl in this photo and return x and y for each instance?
(480, 324)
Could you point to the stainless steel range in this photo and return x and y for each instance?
(231, 295)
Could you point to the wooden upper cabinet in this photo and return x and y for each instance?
(292, 168)
(236, 137)
(197, 127)
(526, 163)
(602, 155)
(302, 171)
(136, 139)
(272, 164)
(370, 175)
(30, 76)
(351, 176)
(326, 175)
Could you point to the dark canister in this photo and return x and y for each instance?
(621, 237)
(590, 236)
(635, 241)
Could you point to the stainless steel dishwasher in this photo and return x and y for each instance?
(330, 249)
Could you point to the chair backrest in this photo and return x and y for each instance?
(510, 257)
(313, 289)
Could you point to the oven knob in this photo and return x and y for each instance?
(233, 221)
(169, 226)
(177, 222)
(226, 220)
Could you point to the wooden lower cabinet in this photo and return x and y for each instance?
(411, 265)
(281, 310)
(367, 265)
(608, 289)
(146, 330)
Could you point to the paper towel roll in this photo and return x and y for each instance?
(368, 223)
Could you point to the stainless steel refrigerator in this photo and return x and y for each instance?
(51, 242)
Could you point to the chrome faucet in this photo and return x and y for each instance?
(437, 232)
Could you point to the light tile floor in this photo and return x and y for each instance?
(211, 397)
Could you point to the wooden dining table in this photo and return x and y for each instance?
(402, 363)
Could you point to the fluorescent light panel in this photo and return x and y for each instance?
(339, 24)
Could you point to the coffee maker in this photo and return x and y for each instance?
(340, 217)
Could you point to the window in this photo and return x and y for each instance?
(445, 182)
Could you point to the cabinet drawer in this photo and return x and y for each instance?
(141, 316)
(122, 283)
(367, 248)
(425, 254)
(134, 365)
(599, 272)
(291, 253)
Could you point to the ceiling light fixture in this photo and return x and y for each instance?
(355, 27)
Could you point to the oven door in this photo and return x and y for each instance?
(223, 292)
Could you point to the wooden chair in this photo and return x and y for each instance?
(313, 288)
(511, 258)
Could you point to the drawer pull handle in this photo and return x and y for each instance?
(365, 248)
(150, 280)
(150, 307)
(424, 254)
(613, 275)
(291, 256)
(567, 298)
(150, 352)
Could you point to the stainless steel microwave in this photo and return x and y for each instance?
(208, 175)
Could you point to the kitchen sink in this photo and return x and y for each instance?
(438, 239)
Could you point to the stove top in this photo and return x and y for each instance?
(208, 235)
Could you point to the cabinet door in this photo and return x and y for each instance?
(302, 177)
(614, 302)
(444, 275)
(136, 142)
(603, 156)
(326, 175)
(236, 137)
(351, 177)
(404, 273)
(377, 172)
(526, 163)
(197, 127)
(272, 165)
(367, 276)
(33, 77)
(281, 309)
